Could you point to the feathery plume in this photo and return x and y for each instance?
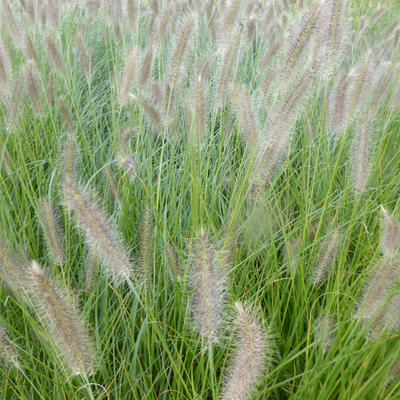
(248, 363)
(199, 124)
(326, 256)
(242, 103)
(323, 335)
(337, 105)
(146, 231)
(391, 315)
(146, 66)
(84, 57)
(99, 231)
(5, 73)
(34, 88)
(8, 350)
(300, 37)
(52, 232)
(127, 76)
(360, 165)
(336, 28)
(150, 111)
(272, 151)
(55, 54)
(228, 21)
(173, 261)
(30, 50)
(180, 50)
(359, 79)
(66, 115)
(390, 233)
(226, 68)
(15, 98)
(377, 289)
(207, 281)
(58, 313)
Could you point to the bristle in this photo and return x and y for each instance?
(99, 231)
(390, 235)
(57, 311)
(327, 255)
(249, 362)
(207, 282)
(52, 232)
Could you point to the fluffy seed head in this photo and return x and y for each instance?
(377, 291)
(248, 363)
(57, 311)
(360, 165)
(99, 231)
(390, 232)
(326, 256)
(207, 283)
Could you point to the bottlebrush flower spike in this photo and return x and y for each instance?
(207, 281)
(58, 313)
(360, 165)
(377, 290)
(326, 256)
(248, 364)
(390, 232)
(100, 233)
(323, 335)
